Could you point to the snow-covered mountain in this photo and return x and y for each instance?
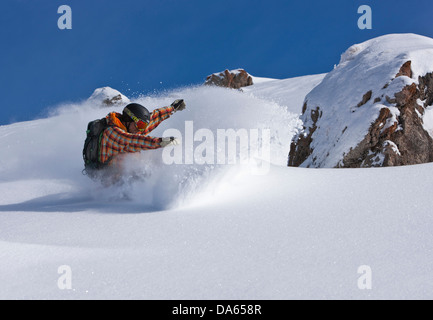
(207, 231)
(107, 96)
(370, 110)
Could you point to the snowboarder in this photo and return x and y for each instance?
(123, 133)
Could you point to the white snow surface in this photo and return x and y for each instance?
(207, 231)
(428, 120)
(287, 92)
(369, 66)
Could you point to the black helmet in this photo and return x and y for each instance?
(137, 110)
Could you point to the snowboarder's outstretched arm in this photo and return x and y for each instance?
(161, 114)
(158, 116)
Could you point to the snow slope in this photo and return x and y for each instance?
(207, 231)
(287, 92)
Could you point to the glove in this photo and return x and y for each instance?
(178, 105)
(169, 141)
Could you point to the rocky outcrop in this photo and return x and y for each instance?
(390, 140)
(234, 79)
(107, 97)
(397, 141)
(385, 128)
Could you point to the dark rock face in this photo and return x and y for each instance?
(390, 140)
(113, 100)
(405, 70)
(234, 79)
(300, 149)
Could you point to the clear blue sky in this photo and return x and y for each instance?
(141, 46)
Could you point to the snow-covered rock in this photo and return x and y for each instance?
(369, 111)
(107, 96)
(234, 79)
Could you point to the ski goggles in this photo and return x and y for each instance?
(139, 123)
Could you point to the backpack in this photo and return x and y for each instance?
(92, 143)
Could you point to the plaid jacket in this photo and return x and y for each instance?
(116, 139)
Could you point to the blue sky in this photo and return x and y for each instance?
(140, 47)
